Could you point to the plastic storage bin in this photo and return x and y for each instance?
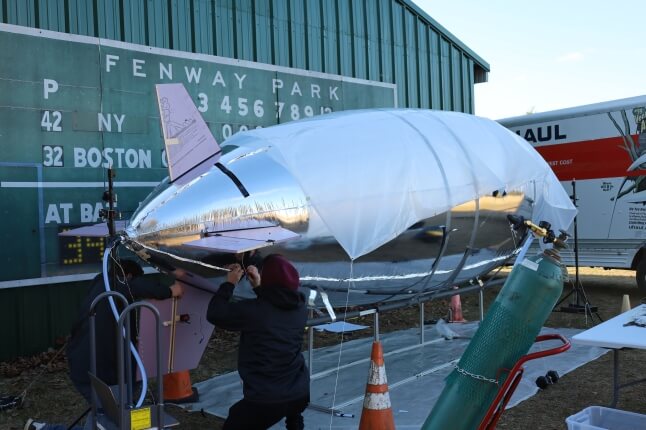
(600, 418)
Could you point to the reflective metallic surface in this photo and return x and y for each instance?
(471, 239)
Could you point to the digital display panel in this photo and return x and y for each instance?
(74, 250)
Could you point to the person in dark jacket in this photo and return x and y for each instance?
(275, 379)
(128, 280)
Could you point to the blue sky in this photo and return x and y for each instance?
(549, 54)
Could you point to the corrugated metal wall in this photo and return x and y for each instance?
(37, 317)
(389, 41)
(383, 40)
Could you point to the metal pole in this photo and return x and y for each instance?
(421, 322)
(481, 294)
(615, 378)
(95, 400)
(122, 385)
(576, 245)
(406, 302)
(111, 226)
(124, 318)
(310, 347)
(377, 326)
(128, 358)
(92, 313)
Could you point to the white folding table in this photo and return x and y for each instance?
(616, 335)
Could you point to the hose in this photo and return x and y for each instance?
(140, 364)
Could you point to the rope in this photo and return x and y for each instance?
(23, 394)
(173, 329)
(338, 364)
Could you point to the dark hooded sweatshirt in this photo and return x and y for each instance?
(272, 325)
(78, 347)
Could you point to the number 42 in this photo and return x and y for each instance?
(51, 121)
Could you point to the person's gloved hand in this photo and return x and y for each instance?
(235, 273)
(253, 276)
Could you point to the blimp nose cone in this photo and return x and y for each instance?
(239, 192)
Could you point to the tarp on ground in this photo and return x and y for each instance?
(415, 376)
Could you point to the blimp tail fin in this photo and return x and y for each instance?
(191, 148)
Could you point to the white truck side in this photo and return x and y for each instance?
(601, 150)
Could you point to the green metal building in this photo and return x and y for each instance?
(77, 95)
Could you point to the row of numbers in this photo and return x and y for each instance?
(244, 107)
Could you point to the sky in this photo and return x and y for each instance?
(549, 54)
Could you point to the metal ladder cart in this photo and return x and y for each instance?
(113, 407)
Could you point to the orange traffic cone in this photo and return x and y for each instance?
(178, 389)
(377, 413)
(455, 310)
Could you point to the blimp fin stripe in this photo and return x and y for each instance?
(234, 178)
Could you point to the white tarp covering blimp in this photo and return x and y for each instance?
(372, 174)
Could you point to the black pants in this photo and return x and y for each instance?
(247, 415)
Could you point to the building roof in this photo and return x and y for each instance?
(481, 68)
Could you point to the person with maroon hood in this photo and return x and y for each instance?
(275, 379)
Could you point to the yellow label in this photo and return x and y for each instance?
(140, 419)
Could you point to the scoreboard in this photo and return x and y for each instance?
(72, 106)
(79, 250)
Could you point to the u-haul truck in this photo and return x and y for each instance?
(599, 150)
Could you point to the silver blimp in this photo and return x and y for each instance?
(370, 205)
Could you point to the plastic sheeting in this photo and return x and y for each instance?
(371, 195)
(415, 376)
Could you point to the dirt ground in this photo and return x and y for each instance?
(51, 397)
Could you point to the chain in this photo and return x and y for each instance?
(474, 376)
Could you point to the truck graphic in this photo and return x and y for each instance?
(601, 150)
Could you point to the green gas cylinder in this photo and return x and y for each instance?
(504, 336)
